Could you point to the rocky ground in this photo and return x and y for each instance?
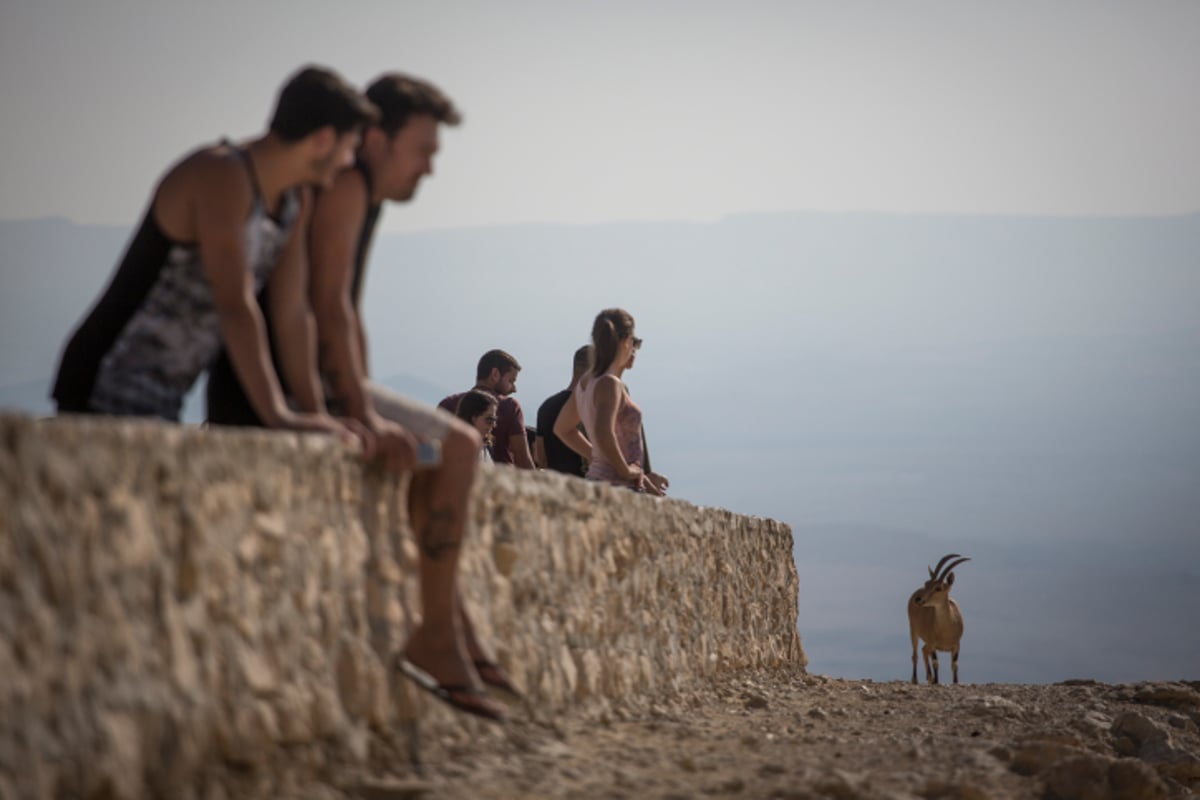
(772, 735)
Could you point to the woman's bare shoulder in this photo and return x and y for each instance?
(608, 384)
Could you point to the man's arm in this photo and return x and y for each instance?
(337, 220)
(545, 427)
(362, 346)
(338, 215)
(292, 319)
(518, 441)
(222, 204)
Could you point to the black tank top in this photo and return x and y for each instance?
(155, 330)
(365, 236)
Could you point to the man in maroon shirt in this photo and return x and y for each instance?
(497, 375)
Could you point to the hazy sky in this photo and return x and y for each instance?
(587, 112)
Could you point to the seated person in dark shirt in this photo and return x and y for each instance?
(223, 223)
(496, 374)
(550, 452)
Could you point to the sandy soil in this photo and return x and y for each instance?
(775, 735)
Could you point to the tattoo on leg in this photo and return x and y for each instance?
(439, 536)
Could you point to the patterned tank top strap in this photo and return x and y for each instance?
(249, 165)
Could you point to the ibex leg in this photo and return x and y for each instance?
(930, 672)
(914, 658)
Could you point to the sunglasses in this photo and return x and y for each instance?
(490, 419)
(637, 343)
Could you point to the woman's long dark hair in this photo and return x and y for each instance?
(474, 403)
(611, 326)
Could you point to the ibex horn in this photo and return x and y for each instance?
(951, 566)
(934, 572)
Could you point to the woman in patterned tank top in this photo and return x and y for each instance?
(612, 420)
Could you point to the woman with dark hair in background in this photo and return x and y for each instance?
(611, 418)
(478, 408)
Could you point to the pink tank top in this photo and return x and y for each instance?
(628, 429)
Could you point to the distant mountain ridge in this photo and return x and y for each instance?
(801, 287)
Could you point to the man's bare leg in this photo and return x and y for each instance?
(438, 501)
(475, 648)
(481, 657)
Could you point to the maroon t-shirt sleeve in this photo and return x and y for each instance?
(518, 419)
(510, 421)
(450, 403)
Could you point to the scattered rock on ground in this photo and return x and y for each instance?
(777, 735)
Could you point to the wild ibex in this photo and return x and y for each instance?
(935, 619)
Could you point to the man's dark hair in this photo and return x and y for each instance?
(398, 97)
(316, 97)
(495, 359)
(582, 359)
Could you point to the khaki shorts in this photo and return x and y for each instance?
(425, 422)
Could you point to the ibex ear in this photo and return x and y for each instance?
(930, 572)
(950, 579)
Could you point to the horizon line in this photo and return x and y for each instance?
(731, 216)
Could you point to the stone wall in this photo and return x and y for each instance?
(189, 613)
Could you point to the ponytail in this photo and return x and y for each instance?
(611, 326)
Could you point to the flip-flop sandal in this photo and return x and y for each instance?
(491, 673)
(463, 698)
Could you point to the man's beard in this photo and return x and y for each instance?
(408, 193)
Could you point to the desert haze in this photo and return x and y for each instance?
(1024, 391)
